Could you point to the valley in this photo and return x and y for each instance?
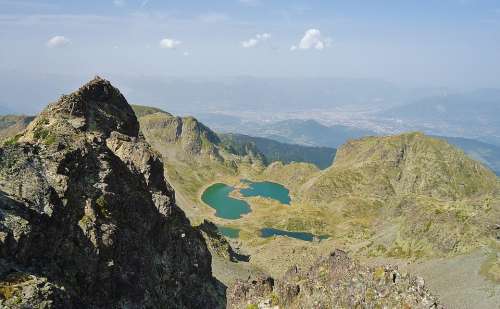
(384, 200)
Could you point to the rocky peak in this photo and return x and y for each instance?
(87, 219)
(96, 107)
(193, 137)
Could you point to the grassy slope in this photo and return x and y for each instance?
(424, 197)
(483, 152)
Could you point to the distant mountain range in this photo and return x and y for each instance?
(473, 114)
(480, 106)
(310, 132)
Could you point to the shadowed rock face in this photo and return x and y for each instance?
(334, 281)
(87, 219)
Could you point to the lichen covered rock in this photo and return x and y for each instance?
(334, 281)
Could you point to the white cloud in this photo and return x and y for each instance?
(312, 40)
(256, 40)
(119, 3)
(249, 43)
(169, 43)
(263, 36)
(58, 41)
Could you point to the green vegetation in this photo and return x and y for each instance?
(102, 206)
(486, 153)
(13, 140)
(274, 151)
(275, 301)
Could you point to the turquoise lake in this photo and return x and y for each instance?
(267, 189)
(217, 197)
(270, 232)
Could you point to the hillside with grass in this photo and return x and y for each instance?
(411, 195)
(486, 153)
(407, 164)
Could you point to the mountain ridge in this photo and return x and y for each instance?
(398, 161)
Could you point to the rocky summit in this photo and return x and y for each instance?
(87, 219)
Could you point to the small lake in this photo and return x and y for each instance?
(218, 197)
(267, 189)
(270, 232)
(228, 231)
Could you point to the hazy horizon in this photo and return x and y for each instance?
(342, 62)
(450, 43)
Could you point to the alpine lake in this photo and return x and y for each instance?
(218, 196)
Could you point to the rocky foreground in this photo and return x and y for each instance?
(334, 281)
(87, 219)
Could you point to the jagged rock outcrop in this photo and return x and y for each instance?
(334, 281)
(87, 219)
(187, 139)
(193, 137)
(218, 244)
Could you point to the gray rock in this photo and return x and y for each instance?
(87, 219)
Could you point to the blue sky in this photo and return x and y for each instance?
(438, 43)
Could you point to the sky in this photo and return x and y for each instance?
(420, 43)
